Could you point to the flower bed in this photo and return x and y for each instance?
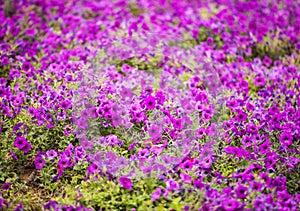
(149, 105)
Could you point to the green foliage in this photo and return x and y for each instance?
(99, 193)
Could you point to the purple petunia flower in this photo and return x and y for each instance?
(256, 186)
(200, 132)
(64, 162)
(259, 81)
(212, 130)
(125, 182)
(150, 102)
(187, 165)
(126, 93)
(131, 146)
(241, 192)
(79, 153)
(230, 204)
(5, 186)
(198, 183)
(186, 178)
(20, 142)
(87, 145)
(157, 194)
(206, 163)
(65, 105)
(154, 131)
(286, 139)
(3, 92)
(3, 203)
(26, 148)
(26, 66)
(93, 168)
(172, 185)
(20, 207)
(51, 154)
(270, 161)
(241, 117)
(258, 204)
(51, 205)
(39, 162)
(264, 148)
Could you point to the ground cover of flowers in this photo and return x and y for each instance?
(149, 105)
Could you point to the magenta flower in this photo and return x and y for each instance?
(206, 163)
(256, 186)
(187, 165)
(3, 92)
(51, 154)
(64, 162)
(241, 192)
(26, 148)
(259, 81)
(26, 66)
(65, 105)
(186, 178)
(200, 132)
(150, 102)
(286, 139)
(126, 93)
(116, 120)
(264, 148)
(230, 204)
(267, 61)
(206, 153)
(5, 186)
(198, 183)
(172, 185)
(157, 194)
(154, 132)
(79, 153)
(125, 182)
(93, 168)
(177, 123)
(39, 162)
(258, 204)
(241, 117)
(212, 130)
(20, 142)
